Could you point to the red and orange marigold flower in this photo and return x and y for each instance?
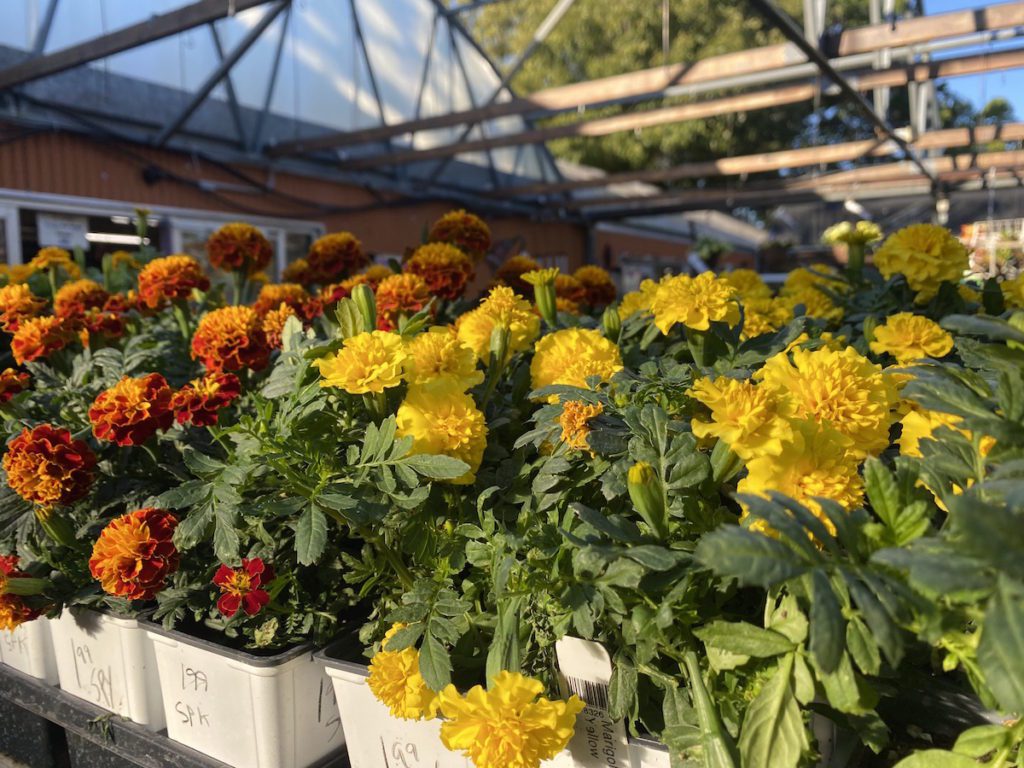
(14, 611)
(103, 323)
(238, 247)
(199, 401)
(135, 554)
(242, 587)
(45, 465)
(272, 296)
(404, 294)
(511, 273)
(444, 268)
(465, 231)
(169, 279)
(598, 284)
(39, 337)
(569, 288)
(335, 256)
(133, 410)
(17, 304)
(231, 339)
(75, 298)
(11, 383)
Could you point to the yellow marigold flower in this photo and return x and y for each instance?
(440, 357)
(396, 681)
(815, 303)
(862, 233)
(575, 423)
(507, 726)
(501, 309)
(743, 415)
(815, 461)
(765, 315)
(695, 302)
(538, 277)
(909, 337)
(927, 255)
(748, 284)
(572, 356)
(826, 340)
(638, 300)
(843, 390)
(442, 419)
(55, 257)
(1013, 292)
(813, 276)
(367, 362)
(920, 424)
(599, 285)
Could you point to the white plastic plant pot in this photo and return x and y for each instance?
(247, 710)
(376, 739)
(29, 649)
(108, 660)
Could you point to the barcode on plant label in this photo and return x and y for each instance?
(594, 694)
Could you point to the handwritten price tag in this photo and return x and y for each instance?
(96, 681)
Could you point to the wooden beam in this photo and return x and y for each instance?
(948, 168)
(773, 161)
(649, 83)
(154, 28)
(748, 102)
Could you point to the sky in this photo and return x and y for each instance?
(979, 89)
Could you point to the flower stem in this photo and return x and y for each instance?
(855, 262)
(238, 287)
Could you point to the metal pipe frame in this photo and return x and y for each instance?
(220, 72)
(43, 33)
(236, 113)
(539, 36)
(152, 29)
(257, 134)
(753, 66)
(788, 27)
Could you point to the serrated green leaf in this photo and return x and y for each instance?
(828, 629)
(435, 663)
(310, 535)
(750, 557)
(436, 467)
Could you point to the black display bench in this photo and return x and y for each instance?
(41, 726)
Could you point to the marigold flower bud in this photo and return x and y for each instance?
(363, 296)
(648, 496)
(612, 324)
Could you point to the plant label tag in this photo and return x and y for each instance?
(586, 670)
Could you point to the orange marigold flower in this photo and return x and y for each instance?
(171, 278)
(74, 298)
(568, 287)
(567, 306)
(511, 273)
(199, 401)
(11, 383)
(239, 247)
(404, 294)
(135, 554)
(231, 339)
(467, 232)
(292, 294)
(335, 256)
(273, 324)
(575, 423)
(597, 283)
(45, 465)
(444, 268)
(18, 303)
(39, 337)
(57, 258)
(133, 410)
(375, 273)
